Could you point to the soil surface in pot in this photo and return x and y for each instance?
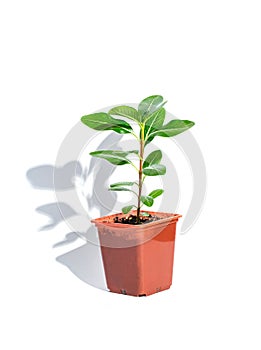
(132, 219)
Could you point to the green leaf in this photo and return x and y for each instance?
(153, 158)
(114, 157)
(103, 121)
(120, 189)
(156, 193)
(149, 139)
(154, 121)
(173, 128)
(127, 209)
(150, 104)
(117, 184)
(144, 213)
(147, 200)
(127, 112)
(154, 170)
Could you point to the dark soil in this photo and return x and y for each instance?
(132, 219)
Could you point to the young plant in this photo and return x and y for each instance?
(149, 117)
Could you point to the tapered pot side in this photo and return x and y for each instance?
(138, 259)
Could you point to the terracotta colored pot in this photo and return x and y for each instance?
(138, 259)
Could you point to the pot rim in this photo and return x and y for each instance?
(104, 220)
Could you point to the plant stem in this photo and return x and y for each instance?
(140, 172)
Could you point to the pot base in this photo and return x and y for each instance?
(123, 291)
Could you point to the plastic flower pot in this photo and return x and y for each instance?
(138, 259)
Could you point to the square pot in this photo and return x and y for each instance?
(138, 259)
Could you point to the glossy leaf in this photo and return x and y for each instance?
(114, 157)
(147, 200)
(154, 121)
(103, 121)
(156, 193)
(153, 158)
(127, 209)
(126, 183)
(127, 112)
(149, 139)
(150, 104)
(154, 170)
(173, 128)
(120, 189)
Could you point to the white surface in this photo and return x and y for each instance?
(60, 60)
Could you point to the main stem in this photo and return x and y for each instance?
(140, 173)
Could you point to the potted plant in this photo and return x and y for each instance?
(137, 246)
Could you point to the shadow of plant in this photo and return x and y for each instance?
(41, 177)
(57, 212)
(85, 262)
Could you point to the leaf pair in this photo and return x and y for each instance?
(146, 200)
(118, 186)
(152, 166)
(147, 107)
(149, 199)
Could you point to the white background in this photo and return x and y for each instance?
(63, 59)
